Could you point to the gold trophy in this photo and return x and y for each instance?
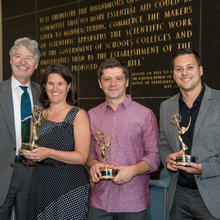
(185, 159)
(107, 173)
(38, 119)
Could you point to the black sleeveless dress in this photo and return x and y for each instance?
(58, 190)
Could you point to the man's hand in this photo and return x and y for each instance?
(171, 160)
(195, 168)
(124, 175)
(95, 171)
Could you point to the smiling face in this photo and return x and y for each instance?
(187, 73)
(57, 88)
(114, 83)
(23, 64)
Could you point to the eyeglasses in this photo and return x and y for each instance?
(20, 57)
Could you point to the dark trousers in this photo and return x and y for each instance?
(188, 205)
(100, 214)
(17, 193)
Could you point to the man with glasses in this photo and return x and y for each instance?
(15, 172)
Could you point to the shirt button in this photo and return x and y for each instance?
(11, 165)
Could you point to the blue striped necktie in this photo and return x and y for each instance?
(25, 115)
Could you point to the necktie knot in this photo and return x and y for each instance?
(24, 88)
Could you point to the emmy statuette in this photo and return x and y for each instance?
(38, 119)
(107, 173)
(184, 159)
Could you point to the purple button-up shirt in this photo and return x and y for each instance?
(134, 138)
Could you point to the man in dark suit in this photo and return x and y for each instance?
(194, 191)
(15, 174)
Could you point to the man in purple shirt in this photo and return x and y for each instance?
(133, 151)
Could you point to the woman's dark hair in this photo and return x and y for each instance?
(68, 76)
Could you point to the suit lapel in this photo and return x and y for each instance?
(35, 90)
(8, 108)
(203, 110)
(174, 109)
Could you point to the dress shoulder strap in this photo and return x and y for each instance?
(71, 115)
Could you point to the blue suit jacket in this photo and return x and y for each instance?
(205, 146)
(7, 134)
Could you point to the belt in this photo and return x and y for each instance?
(20, 159)
(23, 160)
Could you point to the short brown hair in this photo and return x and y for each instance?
(111, 63)
(183, 52)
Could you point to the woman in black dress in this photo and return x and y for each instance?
(60, 186)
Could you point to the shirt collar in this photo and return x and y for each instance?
(127, 102)
(198, 99)
(15, 83)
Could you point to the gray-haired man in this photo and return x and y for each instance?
(15, 175)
